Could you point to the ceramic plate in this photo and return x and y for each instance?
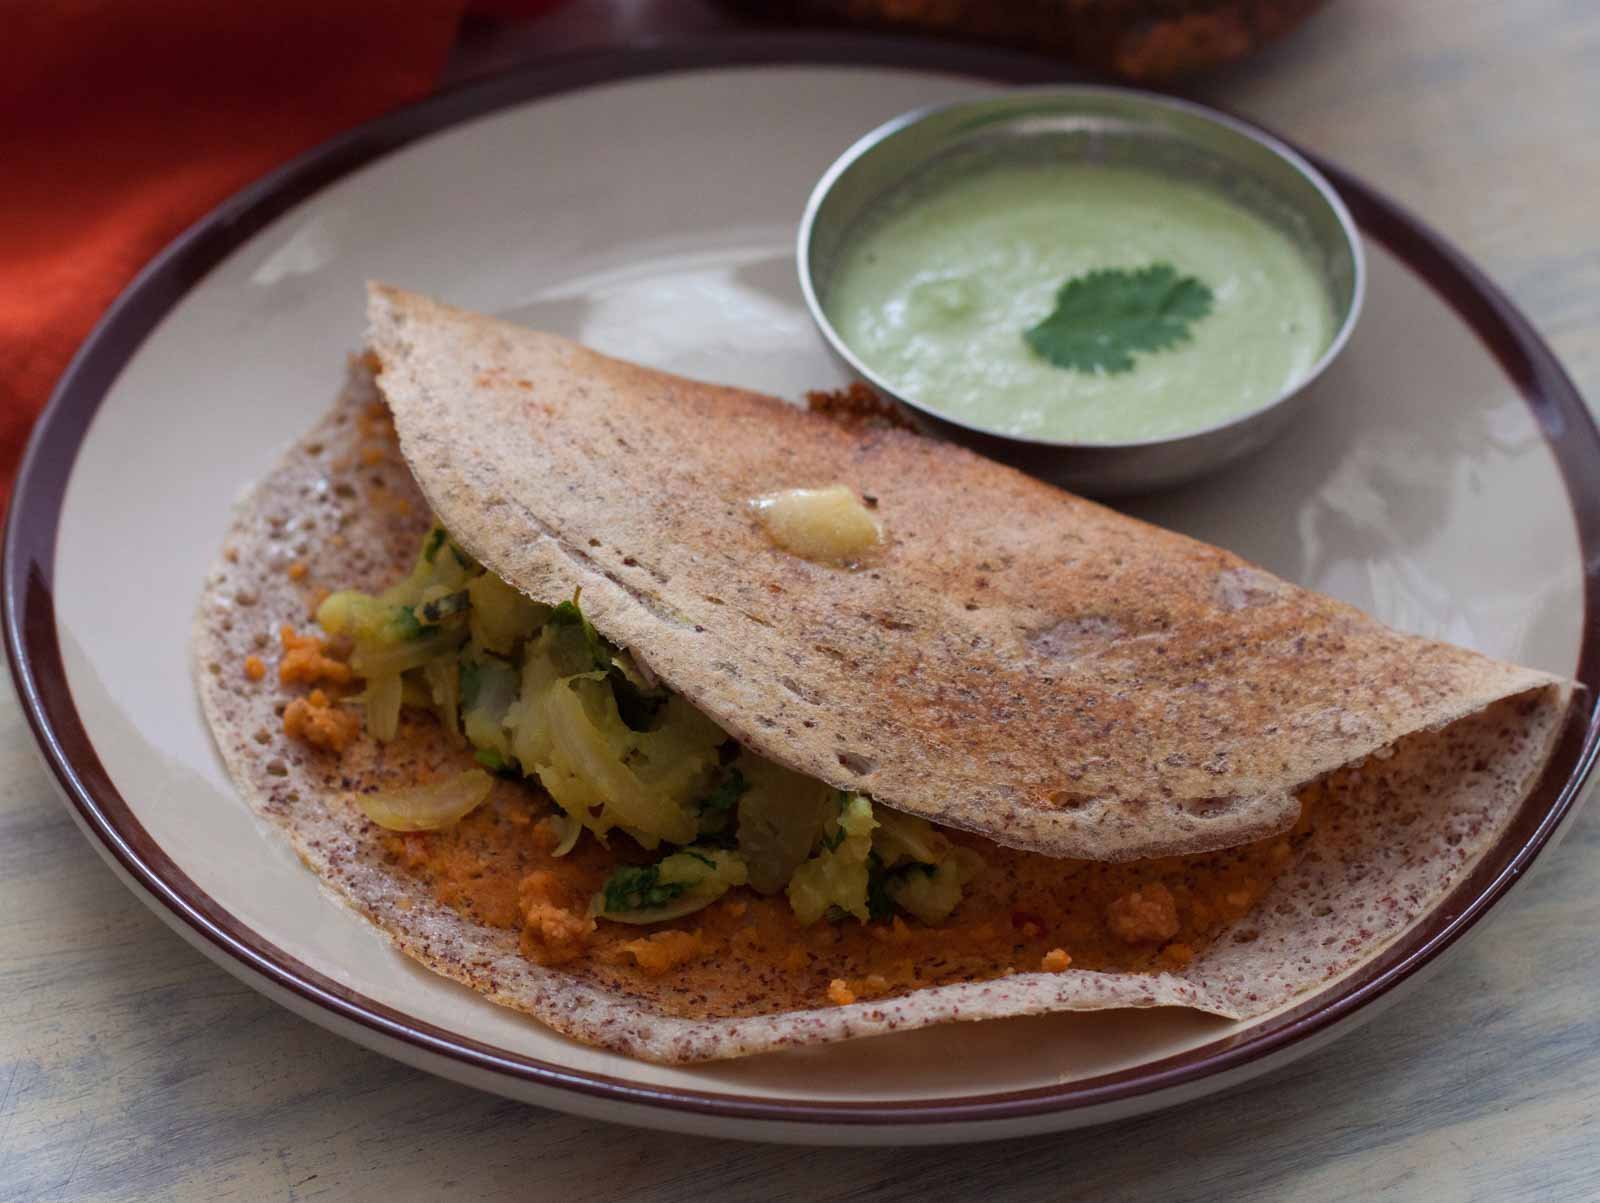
(1446, 480)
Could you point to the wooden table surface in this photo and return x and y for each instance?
(132, 1068)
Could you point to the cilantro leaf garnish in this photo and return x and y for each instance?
(640, 889)
(727, 792)
(436, 540)
(1101, 318)
(568, 613)
(716, 808)
(406, 624)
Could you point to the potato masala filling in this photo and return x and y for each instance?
(580, 802)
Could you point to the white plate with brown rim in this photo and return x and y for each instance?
(646, 203)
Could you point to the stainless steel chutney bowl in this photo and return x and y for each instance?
(1103, 125)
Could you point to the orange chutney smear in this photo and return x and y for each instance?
(746, 954)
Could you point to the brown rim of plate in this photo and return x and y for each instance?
(34, 652)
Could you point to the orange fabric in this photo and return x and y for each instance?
(122, 121)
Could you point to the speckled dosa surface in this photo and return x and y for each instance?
(1015, 661)
(348, 508)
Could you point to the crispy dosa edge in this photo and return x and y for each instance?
(1088, 685)
(1424, 818)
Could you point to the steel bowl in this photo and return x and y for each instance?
(1093, 124)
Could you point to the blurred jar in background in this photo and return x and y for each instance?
(1151, 41)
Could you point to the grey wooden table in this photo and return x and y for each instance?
(131, 1068)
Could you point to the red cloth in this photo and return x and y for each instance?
(122, 121)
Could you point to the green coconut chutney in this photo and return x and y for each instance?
(935, 292)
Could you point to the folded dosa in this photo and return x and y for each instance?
(1016, 662)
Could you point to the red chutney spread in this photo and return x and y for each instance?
(746, 953)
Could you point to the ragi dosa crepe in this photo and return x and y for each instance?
(1018, 662)
(1014, 662)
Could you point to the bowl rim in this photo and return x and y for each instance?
(874, 138)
